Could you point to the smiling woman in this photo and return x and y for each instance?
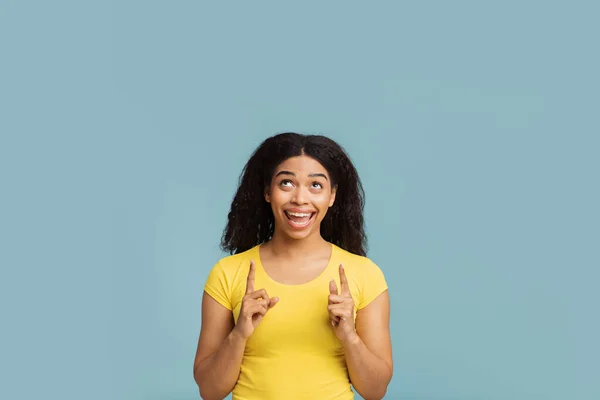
(297, 311)
(300, 195)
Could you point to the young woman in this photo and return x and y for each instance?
(297, 311)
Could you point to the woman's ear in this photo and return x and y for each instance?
(267, 194)
(332, 198)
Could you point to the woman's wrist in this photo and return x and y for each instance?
(237, 337)
(351, 339)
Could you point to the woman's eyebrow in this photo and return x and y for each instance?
(285, 173)
(317, 175)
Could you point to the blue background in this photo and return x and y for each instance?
(474, 126)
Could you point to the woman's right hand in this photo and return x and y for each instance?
(255, 306)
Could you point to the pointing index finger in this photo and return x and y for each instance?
(344, 281)
(250, 280)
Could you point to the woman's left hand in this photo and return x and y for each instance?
(341, 309)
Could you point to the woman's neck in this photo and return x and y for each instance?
(283, 246)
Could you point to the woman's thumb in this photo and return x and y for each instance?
(273, 301)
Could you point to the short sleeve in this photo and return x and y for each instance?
(217, 286)
(373, 284)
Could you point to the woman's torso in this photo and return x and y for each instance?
(293, 353)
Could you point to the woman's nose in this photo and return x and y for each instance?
(300, 196)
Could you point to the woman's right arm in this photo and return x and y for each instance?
(222, 343)
(220, 351)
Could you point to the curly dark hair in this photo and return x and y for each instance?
(250, 219)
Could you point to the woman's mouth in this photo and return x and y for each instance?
(299, 220)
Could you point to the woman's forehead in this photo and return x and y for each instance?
(301, 165)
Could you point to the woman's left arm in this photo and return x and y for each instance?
(369, 350)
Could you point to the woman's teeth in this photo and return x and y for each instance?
(299, 215)
(299, 219)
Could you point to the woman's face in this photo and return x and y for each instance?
(300, 195)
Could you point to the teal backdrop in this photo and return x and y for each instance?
(474, 126)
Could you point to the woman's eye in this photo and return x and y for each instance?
(317, 185)
(286, 183)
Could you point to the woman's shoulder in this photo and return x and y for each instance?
(228, 274)
(232, 263)
(364, 275)
(226, 278)
(357, 263)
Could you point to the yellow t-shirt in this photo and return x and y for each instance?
(294, 353)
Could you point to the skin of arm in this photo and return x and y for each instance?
(220, 351)
(369, 350)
